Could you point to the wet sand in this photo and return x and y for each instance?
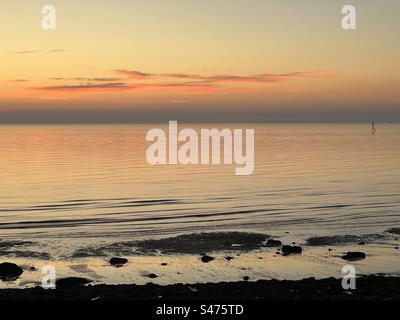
(222, 265)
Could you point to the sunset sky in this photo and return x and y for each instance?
(241, 60)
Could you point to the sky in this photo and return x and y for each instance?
(199, 61)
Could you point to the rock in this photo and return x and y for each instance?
(164, 264)
(277, 252)
(351, 256)
(207, 259)
(273, 243)
(72, 282)
(397, 248)
(10, 271)
(287, 250)
(195, 243)
(246, 278)
(32, 269)
(229, 258)
(310, 279)
(118, 262)
(152, 276)
(361, 243)
(329, 249)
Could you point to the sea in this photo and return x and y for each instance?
(76, 195)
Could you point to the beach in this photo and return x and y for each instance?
(88, 196)
(199, 150)
(248, 265)
(369, 288)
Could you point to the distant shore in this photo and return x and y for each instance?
(368, 288)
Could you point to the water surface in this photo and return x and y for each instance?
(68, 187)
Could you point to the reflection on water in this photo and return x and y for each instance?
(91, 184)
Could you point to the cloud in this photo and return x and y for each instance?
(169, 81)
(86, 87)
(181, 84)
(18, 80)
(40, 51)
(58, 50)
(121, 86)
(260, 78)
(101, 79)
(134, 74)
(26, 51)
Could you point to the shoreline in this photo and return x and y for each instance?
(209, 258)
(375, 287)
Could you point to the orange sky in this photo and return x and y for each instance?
(249, 59)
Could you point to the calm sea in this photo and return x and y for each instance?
(83, 184)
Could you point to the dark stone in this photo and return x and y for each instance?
(273, 243)
(309, 279)
(397, 248)
(10, 271)
(361, 243)
(246, 278)
(351, 256)
(229, 258)
(202, 242)
(287, 250)
(207, 259)
(164, 264)
(368, 288)
(118, 262)
(152, 276)
(72, 282)
(277, 252)
(32, 269)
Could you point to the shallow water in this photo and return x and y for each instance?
(261, 264)
(68, 187)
